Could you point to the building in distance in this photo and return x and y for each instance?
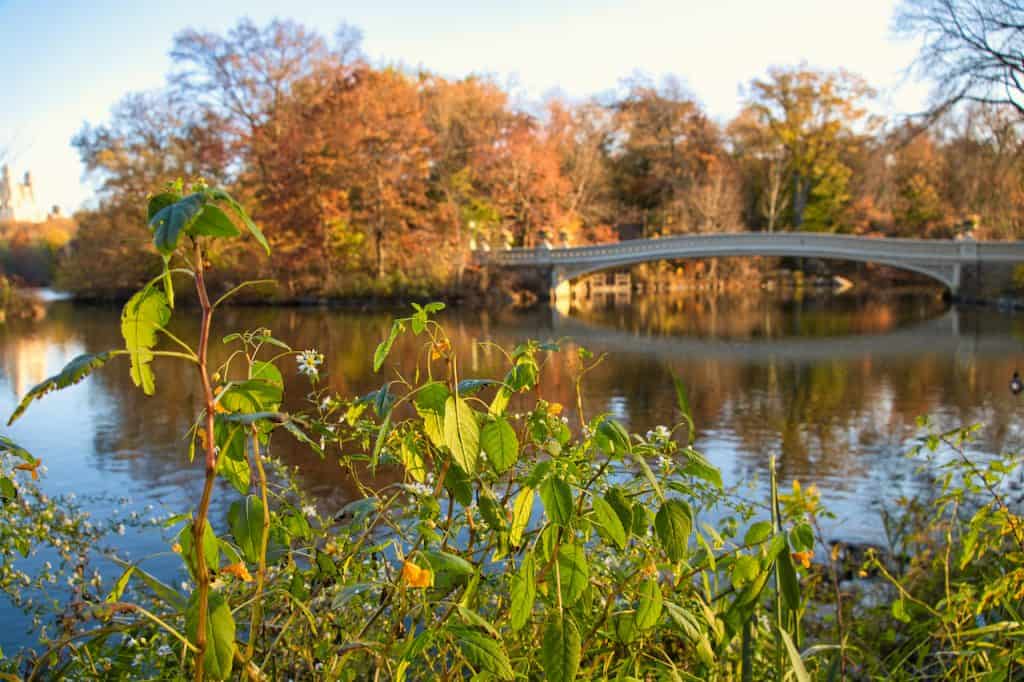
(18, 199)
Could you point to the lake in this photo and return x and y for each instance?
(831, 385)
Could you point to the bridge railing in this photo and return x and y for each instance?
(769, 244)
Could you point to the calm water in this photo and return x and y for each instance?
(830, 385)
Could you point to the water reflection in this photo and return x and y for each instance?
(830, 386)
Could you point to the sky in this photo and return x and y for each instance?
(63, 64)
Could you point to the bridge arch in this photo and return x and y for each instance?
(946, 275)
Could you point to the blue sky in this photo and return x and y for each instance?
(65, 63)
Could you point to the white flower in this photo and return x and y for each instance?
(665, 462)
(164, 651)
(420, 489)
(309, 362)
(662, 432)
(120, 529)
(309, 510)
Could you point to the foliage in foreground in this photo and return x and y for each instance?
(514, 546)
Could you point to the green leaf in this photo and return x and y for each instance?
(483, 652)
(213, 222)
(468, 387)
(673, 524)
(802, 537)
(450, 570)
(160, 201)
(560, 650)
(649, 610)
(574, 575)
(788, 581)
(170, 221)
(522, 376)
(11, 448)
(521, 510)
(73, 372)
(384, 347)
(609, 521)
(498, 440)
(120, 586)
(698, 467)
(245, 518)
(612, 438)
(794, 658)
(165, 593)
(236, 471)
(430, 400)
(617, 499)
(899, 611)
(143, 315)
(220, 634)
(757, 533)
(524, 592)
(744, 569)
(211, 550)
(253, 395)
(683, 400)
(461, 433)
(557, 498)
(221, 195)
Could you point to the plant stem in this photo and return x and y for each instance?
(261, 571)
(199, 524)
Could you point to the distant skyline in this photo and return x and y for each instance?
(63, 64)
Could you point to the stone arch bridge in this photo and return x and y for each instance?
(971, 270)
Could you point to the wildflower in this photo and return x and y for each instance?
(662, 431)
(239, 571)
(309, 362)
(419, 489)
(803, 557)
(31, 467)
(414, 576)
(164, 651)
(665, 462)
(309, 510)
(555, 409)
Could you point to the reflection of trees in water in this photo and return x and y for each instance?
(759, 316)
(840, 421)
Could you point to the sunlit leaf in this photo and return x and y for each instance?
(73, 372)
(500, 444)
(245, 518)
(461, 433)
(673, 524)
(143, 315)
(524, 591)
(483, 652)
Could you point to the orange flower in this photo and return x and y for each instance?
(804, 557)
(31, 467)
(440, 349)
(176, 548)
(414, 576)
(239, 571)
(555, 409)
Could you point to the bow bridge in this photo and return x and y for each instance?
(969, 269)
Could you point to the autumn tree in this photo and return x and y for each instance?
(465, 118)
(813, 117)
(665, 147)
(347, 162)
